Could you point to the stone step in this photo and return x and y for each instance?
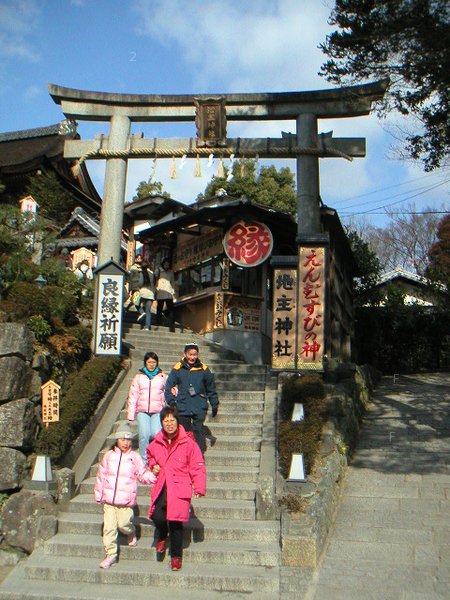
(217, 490)
(216, 473)
(244, 444)
(21, 588)
(203, 508)
(152, 574)
(260, 554)
(195, 530)
(216, 457)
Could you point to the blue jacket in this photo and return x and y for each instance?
(203, 390)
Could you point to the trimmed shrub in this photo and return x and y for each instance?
(40, 327)
(301, 437)
(78, 402)
(28, 300)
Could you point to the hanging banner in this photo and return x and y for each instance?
(248, 243)
(196, 250)
(109, 314)
(311, 308)
(284, 319)
(218, 310)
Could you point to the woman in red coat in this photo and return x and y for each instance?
(176, 458)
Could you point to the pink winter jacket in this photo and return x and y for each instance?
(146, 395)
(182, 468)
(117, 477)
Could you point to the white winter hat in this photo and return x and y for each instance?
(124, 432)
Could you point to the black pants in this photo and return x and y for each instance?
(194, 424)
(169, 311)
(165, 527)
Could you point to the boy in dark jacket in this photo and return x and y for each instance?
(195, 388)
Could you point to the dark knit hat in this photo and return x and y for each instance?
(191, 346)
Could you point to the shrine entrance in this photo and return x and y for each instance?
(309, 284)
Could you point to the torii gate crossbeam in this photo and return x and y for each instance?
(306, 146)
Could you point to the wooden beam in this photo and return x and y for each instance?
(241, 147)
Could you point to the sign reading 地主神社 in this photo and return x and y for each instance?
(248, 243)
(284, 325)
(108, 323)
(299, 313)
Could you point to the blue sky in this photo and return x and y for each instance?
(198, 46)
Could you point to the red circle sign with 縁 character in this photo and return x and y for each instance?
(248, 243)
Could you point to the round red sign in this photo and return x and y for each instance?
(248, 244)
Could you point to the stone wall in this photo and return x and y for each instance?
(304, 532)
(20, 396)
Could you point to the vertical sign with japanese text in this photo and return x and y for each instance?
(284, 318)
(50, 402)
(108, 331)
(311, 308)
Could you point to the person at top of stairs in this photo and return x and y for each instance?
(116, 488)
(147, 293)
(146, 400)
(196, 387)
(177, 458)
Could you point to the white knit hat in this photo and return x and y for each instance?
(124, 432)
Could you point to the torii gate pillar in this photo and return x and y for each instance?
(111, 219)
(308, 191)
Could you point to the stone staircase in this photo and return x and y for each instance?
(227, 552)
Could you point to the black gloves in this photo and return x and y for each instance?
(214, 411)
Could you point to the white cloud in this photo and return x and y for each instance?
(18, 20)
(247, 46)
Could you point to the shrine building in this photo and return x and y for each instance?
(224, 253)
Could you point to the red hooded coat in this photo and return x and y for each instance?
(182, 471)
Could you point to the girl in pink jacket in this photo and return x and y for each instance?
(146, 400)
(176, 456)
(116, 488)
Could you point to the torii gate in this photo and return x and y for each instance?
(307, 146)
(301, 323)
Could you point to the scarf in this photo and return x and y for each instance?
(151, 374)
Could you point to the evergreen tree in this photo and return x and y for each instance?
(370, 269)
(406, 41)
(55, 203)
(150, 188)
(439, 255)
(270, 187)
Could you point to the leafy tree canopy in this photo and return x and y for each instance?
(150, 188)
(407, 41)
(269, 187)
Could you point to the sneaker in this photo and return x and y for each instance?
(140, 317)
(132, 540)
(161, 546)
(175, 564)
(109, 561)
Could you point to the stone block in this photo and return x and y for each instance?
(46, 527)
(18, 380)
(16, 340)
(18, 424)
(66, 484)
(298, 551)
(22, 518)
(13, 468)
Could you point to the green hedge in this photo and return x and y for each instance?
(301, 437)
(403, 339)
(78, 401)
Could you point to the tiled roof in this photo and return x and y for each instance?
(79, 215)
(62, 128)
